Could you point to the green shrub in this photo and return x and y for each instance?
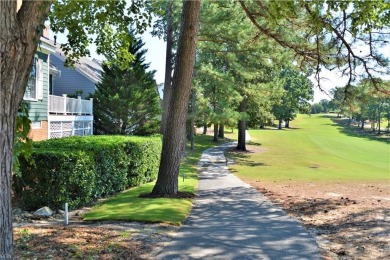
(145, 168)
(57, 177)
(116, 162)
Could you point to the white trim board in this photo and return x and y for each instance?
(56, 118)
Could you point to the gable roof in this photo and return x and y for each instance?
(91, 69)
(46, 46)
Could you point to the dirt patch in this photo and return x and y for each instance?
(75, 243)
(350, 221)
(92, 241)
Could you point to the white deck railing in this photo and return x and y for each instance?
(74, 106)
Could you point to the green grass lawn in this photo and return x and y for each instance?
(314, 149)
(128, 206)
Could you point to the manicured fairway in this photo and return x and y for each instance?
(128, 206)
(314, 149)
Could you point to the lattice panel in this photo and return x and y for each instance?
(55, 126)
(66, 133)
(67, 126)
(55, 135)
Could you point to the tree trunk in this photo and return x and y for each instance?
(192, 124)
(215, 138)
(183, 145)
(362, 124)
(379, 121)
(205, 128)
(287, 125)
(242, 128)
(123, 128)
(280, 124)
(167, 181)
(168, 69)
(19, 37)
(221, 131)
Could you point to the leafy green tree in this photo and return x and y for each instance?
(370, 104)
(319, 32)
(339, 100)
(326, 105)
(328, 34)
(231, 65)
(21, 25)
(126, 101)
(23, 144)
(298, 90)
(316, 108)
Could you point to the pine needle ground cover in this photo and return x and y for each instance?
(128, 206)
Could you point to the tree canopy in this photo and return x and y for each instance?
(337, 35)
(348, 36)
(126, 101)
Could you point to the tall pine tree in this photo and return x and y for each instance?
(126, 100)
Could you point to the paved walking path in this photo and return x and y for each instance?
(231, 220)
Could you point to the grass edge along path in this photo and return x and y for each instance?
(127, 206)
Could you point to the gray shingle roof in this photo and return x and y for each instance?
(91, 69)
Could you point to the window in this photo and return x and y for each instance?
(36, 125)
(34, 89)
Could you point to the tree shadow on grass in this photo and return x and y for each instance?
(282, 129)
(354, 131)
(253, 143)
(242, 158)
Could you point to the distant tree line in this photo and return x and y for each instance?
(361, 103)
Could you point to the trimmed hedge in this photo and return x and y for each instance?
(78, 170)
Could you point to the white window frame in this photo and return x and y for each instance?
(36, 125)
(36, 76)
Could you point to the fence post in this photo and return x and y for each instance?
(80, 105)
(91, 105)
(64, 95)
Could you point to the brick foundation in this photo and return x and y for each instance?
(39, 134)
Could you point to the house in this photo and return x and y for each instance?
(52, 113)
(83, 78)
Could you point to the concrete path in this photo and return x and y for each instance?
(231, 220)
